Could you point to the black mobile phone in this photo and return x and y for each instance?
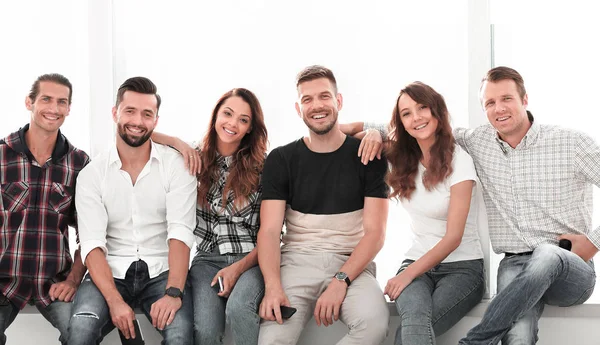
(287, 312)
(139, 338)
(565, 244)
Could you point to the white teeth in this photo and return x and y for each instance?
(503, 118)
(421, 126)
(228, 131)
(51, 117)
(317, 117)
(134, 130)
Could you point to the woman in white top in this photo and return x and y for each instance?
(442, 277)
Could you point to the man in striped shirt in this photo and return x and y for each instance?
(38, 170)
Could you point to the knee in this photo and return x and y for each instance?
(373, 327)
(84, 328)
(180, 331)
(547, 257)
(409, 308)
(237, 308)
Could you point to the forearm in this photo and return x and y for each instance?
(249, 261)
(179, 258)
(102, 275)
(434, 256)
(164, 139)
(364, 253)
(351, 128)
(269, 259)
(78, 269)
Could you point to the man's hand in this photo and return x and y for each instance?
(329, 303)
(270, 307)
(396, 285)
(230, 275)
(122, 317)
(581, 246)
(371, 145)
(63, 291)
(163, 311)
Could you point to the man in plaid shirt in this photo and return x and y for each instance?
(38, 170)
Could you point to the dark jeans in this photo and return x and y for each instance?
(91, 319)
(58, 313)
(437, 300)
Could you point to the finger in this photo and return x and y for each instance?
(164, 317)
(373, 152)
(323, 315)
(52, 292)
(131, 328)
(122, 325)
(215, 279)
(336, 312)
(186, 160)
(70, 295)
(360, 147)
(171, 317)
(277, 311)
(64, 293)
(329, 315)
(153, 314)
(379, 152)
(317, 314)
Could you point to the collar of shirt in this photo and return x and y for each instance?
(224, 162)
(113, 155)
(19, 144)
(528, 140)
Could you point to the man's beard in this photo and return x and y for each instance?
(322, 130)
(133, 142)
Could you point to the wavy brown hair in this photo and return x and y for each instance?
(404, 153)
(248, 160)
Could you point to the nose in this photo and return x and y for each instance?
(500, 108)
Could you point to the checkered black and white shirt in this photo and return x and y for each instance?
(232, 231)
(537, 191)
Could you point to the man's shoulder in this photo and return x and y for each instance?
(288, 149)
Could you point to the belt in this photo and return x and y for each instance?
(508, 255)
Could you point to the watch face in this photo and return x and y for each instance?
(173, 292)
(341, 275)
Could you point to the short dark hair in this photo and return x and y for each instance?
(499, 73)
(53, 78)
(316, 72)
(139, 85)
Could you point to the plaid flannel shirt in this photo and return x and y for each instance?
(231, 231)
(36, 208)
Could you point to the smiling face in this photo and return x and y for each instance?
(505, 109)
(318, 105)
(417, 119)
(50, 107)
(233, 122)
(136, 117)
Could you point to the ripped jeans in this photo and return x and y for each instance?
(91, 319)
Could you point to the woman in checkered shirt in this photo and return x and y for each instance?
(226, 282)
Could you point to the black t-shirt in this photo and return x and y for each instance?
(322, 183)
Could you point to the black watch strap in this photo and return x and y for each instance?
(174, 292)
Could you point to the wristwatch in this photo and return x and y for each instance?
(342, 276)
(174, 292)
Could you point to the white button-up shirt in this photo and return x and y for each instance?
(135, 222)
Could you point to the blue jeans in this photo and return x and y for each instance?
(551, 275)
(211, 311)
(437, 300)
(91, 319)
(58, 313)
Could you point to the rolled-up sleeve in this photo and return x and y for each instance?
(181, 203)
(92, 219)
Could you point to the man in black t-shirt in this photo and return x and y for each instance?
(335, 210)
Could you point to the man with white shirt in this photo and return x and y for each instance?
(136, 212)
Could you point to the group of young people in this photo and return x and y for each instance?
(139, 209)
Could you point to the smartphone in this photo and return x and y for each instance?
(287, 312)
(220, 279)
(139, 338)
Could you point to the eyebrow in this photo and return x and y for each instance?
(48, 96)
(403, 109)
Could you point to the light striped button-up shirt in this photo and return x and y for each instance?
(537, 191)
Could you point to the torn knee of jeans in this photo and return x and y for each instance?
(86, 314)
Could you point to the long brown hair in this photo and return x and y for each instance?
(248, 160)
(404, 153)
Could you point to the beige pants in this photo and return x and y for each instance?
(305, 277)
